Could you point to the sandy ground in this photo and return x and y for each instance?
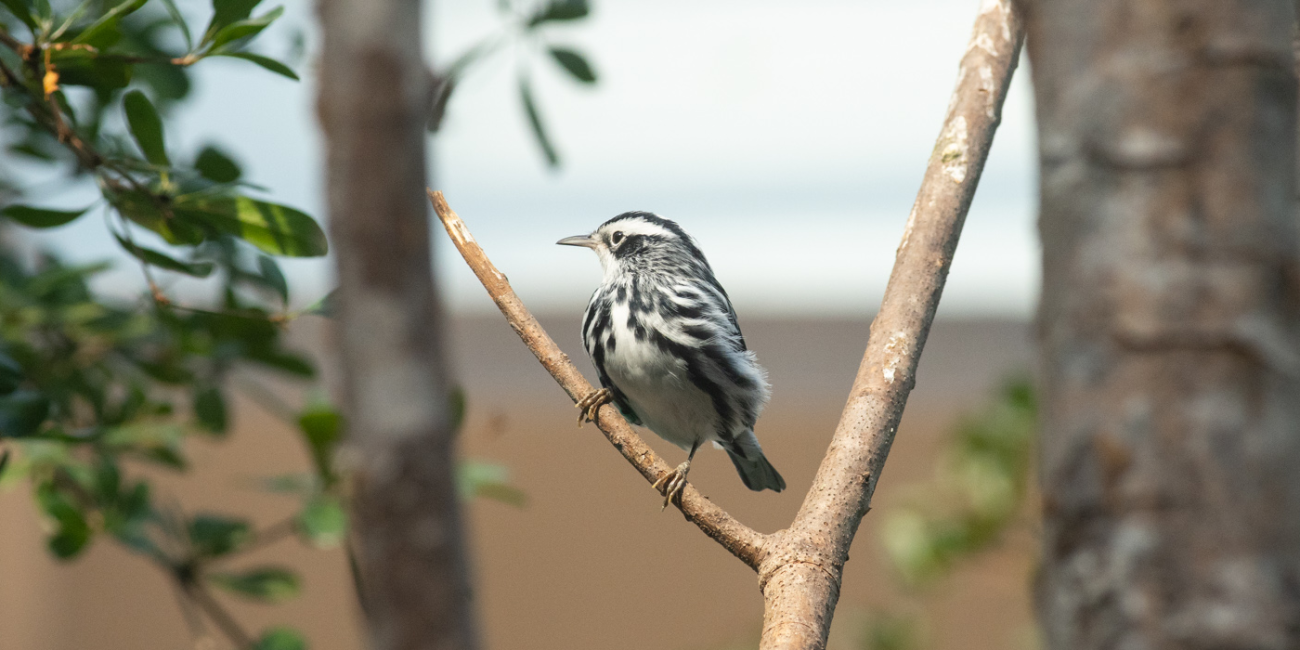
(590, 562)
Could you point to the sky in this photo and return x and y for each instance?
(788, 138)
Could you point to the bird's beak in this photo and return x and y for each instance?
(586, 241)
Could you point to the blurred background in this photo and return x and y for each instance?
(789, 139)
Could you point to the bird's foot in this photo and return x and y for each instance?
(671, 485)
(588, 405)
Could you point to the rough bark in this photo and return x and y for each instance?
(1168, 324)
(800, 568)
(399, 457)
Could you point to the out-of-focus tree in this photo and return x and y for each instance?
(375, 105)
(1169, 323)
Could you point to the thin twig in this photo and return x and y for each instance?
(286, 527)
(8, 40)
(267, 399)
(198, 631)
(223, 620)
(743, 542)
(154, 290)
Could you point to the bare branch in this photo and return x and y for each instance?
(222, 618)
(814, 549)
(741, 540)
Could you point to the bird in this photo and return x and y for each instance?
(664, 339)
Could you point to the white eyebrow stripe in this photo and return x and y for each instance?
(638, 227)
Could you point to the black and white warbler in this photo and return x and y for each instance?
(664, 339)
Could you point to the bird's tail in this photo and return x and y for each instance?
(752, 465)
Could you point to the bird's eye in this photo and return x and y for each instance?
(617, 237)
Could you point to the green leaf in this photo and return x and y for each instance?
(73, 533)
(215, 535)
(889, 631)
(216, 166)
(11, 374)
(283, 361)
(108, 480)
(210, 409)
(323, 522)
(225, 12)
(103, 75)
(458, 406)
(535, 121)
(41, 217)
(276, 229)
(179, 20)
(327, 306)
(273, 278)
(487, 480)
(560, 10)
(264, 61)
(146, 127)
(22, 413)
(163, 261)
(244, 29)
(104, 32)
(147, 210)
(574, 63)
(22, 12)
(268, 584)
(159, 442)
(167, 83)
(281, 638)
(72, 17)
(322, 426)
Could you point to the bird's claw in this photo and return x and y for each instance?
(671, 485)
(587, 406)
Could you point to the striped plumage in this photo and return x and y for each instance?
(663, 337)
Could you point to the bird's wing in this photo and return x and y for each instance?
(698, 310)
(701, 328)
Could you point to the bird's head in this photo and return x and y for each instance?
(640, 241)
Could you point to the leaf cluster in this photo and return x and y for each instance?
(92, 390)
(526, 27)
(76, 74)
(978, 492)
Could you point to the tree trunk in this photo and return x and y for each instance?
(1168, 324)
(374, 97)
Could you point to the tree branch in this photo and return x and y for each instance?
(816, 546)
(223, 620)
(741, 540)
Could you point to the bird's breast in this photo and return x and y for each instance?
(657, 383)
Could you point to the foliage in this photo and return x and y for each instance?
(978, 493)
(979, 490)
(524, 26)
(888, 631)
(91, 389)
